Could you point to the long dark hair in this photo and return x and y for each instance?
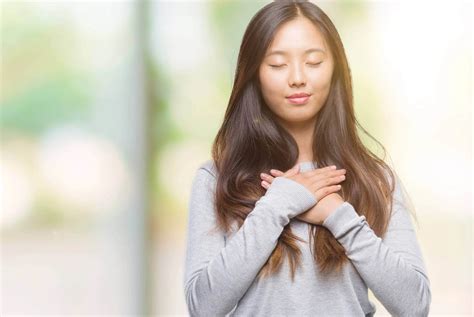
(251, 141)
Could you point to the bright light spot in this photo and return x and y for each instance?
(17, 193)
(82, 170)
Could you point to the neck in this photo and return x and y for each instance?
(303, 135)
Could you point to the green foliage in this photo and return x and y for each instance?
(40, 105)
(40, 84)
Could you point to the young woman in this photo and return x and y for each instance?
(294, 216)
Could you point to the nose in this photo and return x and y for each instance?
(297, 77)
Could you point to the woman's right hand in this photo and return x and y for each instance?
(321, 181)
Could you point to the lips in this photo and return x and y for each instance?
(299, 95)
(298, 98)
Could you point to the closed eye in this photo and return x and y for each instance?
(311, 64)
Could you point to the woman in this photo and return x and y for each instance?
(274, 228)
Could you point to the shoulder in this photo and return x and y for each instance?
(209, 167)
(204, 181)
(399, 195)
(402, 203)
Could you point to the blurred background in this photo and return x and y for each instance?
(108, 108)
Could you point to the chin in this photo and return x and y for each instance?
(298, 119)
(301, 112)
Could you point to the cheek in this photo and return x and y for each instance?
(321, 79)
(321, 86)
(271, 80)
(273, 85)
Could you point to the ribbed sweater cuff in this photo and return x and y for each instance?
(290, 195)
(342, 219)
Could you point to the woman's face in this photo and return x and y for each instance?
(297, 61)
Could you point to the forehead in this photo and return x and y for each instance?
(297, 36)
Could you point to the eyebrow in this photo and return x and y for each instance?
(310, 50)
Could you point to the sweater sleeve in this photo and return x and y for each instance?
(392, 267)
(219, 272)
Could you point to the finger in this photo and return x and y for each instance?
(265, 184)
(322, 170)
(325, 174)
(323, 192)
(276, 173)
(328, 181)
(266, 177)
(293, 171)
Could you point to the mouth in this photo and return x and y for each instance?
(300, 100)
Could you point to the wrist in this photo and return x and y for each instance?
(330, 207)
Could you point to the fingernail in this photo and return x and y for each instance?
(333, 167)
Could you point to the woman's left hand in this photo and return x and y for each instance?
(319, 212)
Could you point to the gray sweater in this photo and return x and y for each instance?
(220, 270)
